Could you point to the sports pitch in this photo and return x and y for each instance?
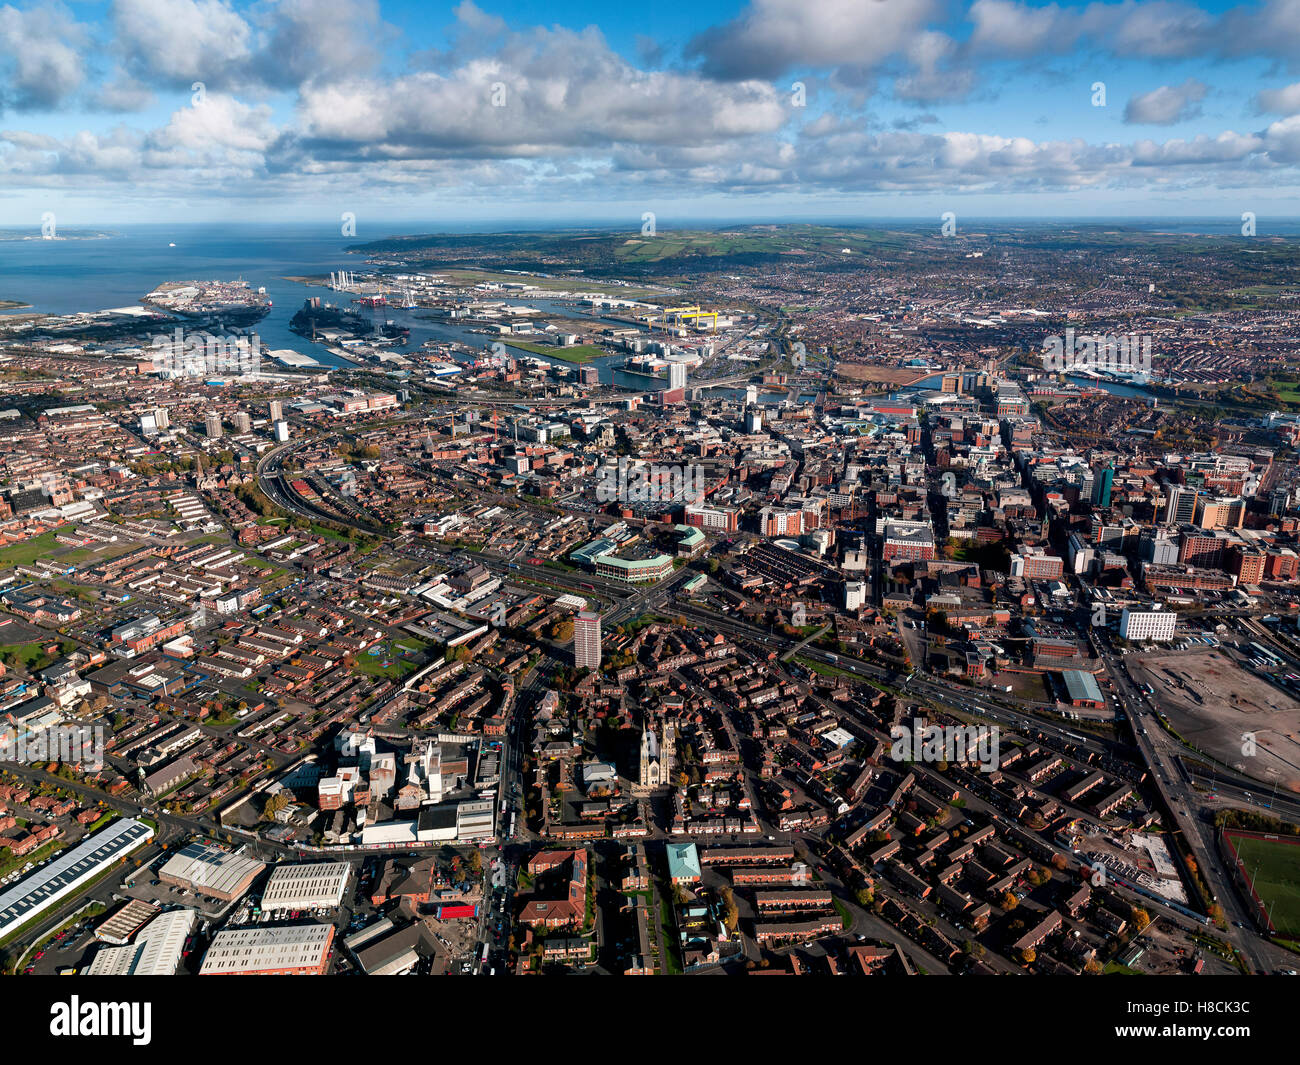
(1273, 866)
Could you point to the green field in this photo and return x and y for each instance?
(401, 656)
(46, 546)
(576, 353)
(28, 551)
(1274, 867)
(33, 656)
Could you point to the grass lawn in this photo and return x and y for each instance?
(846, 918)
(373, 665)
(28, 551)
(1274, 867)
(35, 857)
(576, 353)
(329, 534)
(32, 656)
(668, 938)
(46, 546)
(825, 669)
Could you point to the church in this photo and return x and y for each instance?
(657, 757)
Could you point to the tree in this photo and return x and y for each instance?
(1009, 902)
(274, 805)
(1140, 918)
(730, 912)
(1029, 955)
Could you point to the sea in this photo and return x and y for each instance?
(117, 269)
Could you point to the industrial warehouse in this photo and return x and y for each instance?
(297, 950)
(156, 951)
(69, 871)
(210, 871)
(313, 886)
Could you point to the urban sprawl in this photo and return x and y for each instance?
(929, 613)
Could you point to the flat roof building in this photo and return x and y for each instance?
(296, 950)
(309, 886)
(126, 921)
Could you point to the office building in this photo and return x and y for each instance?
(1135, 625)
(1159, 546)
(1102, 485)
(243, 423)
(281, 432)
(1180, 505)
(1216, 512)
(212, 425)
(277, 410)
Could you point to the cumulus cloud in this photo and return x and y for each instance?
(307, 97)
(773, 37)
(40, 65)
(178, 42)
(1283, 101)
(1166, 105)
(538, 93)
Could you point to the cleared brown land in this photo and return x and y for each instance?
(896, 376)
(1233, 702)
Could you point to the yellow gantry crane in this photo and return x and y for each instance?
(689, 312)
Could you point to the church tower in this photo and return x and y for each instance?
(650, 776)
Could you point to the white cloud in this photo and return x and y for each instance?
(772, 37)
(40, 61)
(1283, 101)
(1166, 105)
(182, 41)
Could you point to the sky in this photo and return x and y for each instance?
(575, 112)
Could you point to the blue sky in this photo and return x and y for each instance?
(582, 112)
